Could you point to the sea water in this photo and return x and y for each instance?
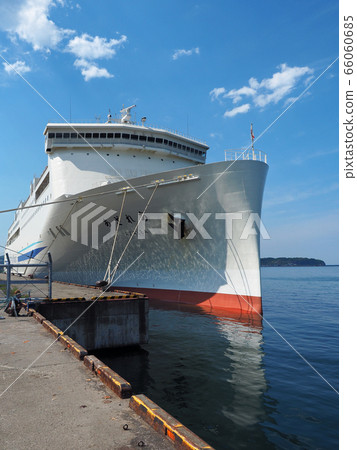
(246, 383)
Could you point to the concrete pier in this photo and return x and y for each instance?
(54, 394)
(57, 402)
(102, 323)
(94, 319)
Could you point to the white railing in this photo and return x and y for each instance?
(246, 154)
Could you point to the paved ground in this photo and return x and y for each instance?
(57, 403)
(58, 289)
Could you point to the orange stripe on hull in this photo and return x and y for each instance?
(239, 303)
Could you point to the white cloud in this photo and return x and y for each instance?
(17, 67)
(280, 84)
(183, 52)
(90, 70)
(236, 94)
(216, 92)
(29, 21)
(269, 90)
(238, 110)
(89, 47)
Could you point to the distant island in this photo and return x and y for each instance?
(291, 262)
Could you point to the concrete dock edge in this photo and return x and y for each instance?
(55, 331)
(39, 317)
(77, 350)
(115, 382)
(165, 424)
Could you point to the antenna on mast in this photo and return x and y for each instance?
(126, 115)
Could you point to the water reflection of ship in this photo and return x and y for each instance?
(246, 374)
(204, 369)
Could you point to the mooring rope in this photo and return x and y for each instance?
(53, 240)
(132, 235)
(108, 271)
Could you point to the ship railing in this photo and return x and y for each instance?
(251, 154)
(9, 266)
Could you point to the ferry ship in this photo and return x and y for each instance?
(137, 208)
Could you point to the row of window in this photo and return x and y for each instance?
(133, 137)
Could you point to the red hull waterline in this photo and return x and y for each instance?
(239, 303)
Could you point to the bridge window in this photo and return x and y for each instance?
(142, 138)
(74, 135)
(159, 140)
(59, 135)
(175, 144)
(170, 143)
(165, 141)
(103, 135)
(95, 135)
(110, 135)
(151, 139)
(134, 137)
(117, 135)
(51, 135)
(179, 145)
(125, 136)
(88, 135)
(66, 135)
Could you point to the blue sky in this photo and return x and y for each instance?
(205, 68)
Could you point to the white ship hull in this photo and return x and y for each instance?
(222, 271)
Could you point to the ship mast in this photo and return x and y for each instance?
(252, 135)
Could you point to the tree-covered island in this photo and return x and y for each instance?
(291, 262)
